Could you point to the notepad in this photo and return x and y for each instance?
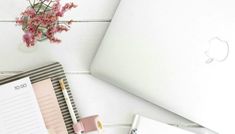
(49, 107)
(19, 110)
(143, 125)
(55, 72)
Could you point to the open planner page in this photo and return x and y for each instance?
(19, 110)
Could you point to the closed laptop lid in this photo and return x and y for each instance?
(175, 54)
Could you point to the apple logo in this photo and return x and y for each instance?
(218, 50)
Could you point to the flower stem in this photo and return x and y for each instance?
(48, 6)
(37, 28)
(40, 6)
(30, 3)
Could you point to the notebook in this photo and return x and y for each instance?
(50, 75)
(19, 110)
(144, 125)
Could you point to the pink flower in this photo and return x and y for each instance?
(29, 39)
(56, 7)
(40, 22)
(54, 40)
(19, 21)
(39, 35)
(29, 12)
(66, 7)
(32, 28)
(61, 28)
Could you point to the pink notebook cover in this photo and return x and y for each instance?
(49, 107)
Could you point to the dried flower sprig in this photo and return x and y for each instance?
(40, 21)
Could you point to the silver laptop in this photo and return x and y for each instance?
(178, 54)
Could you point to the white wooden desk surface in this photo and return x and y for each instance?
(78, 46)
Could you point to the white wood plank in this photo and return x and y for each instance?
(94, 96)
(75, 52)
(115, 106)
(87, 9)
(114, 130)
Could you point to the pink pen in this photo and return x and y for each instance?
(87, 124)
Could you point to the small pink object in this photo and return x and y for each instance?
(88, 124)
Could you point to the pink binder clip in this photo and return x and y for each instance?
(88, 124)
